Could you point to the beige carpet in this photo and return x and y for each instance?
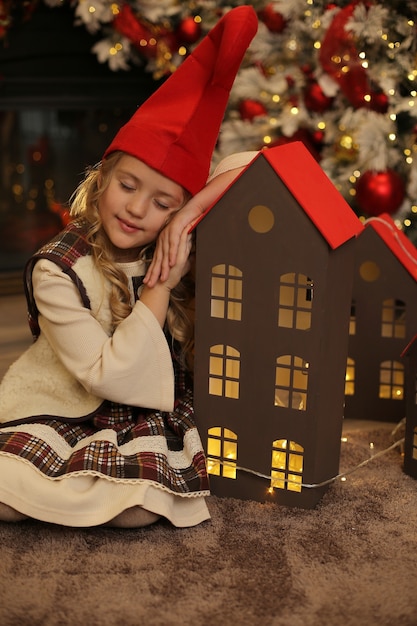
(350, 562)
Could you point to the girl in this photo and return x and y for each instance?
(97, 416)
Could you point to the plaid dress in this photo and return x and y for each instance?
(118, 443)
(105, 455)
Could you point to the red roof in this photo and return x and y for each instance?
(313, 190)
(396, 240)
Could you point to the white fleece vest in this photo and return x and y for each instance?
(37, 384)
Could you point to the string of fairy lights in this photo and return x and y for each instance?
(342, 476)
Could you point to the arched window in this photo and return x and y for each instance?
(221, 452)
(224, 371)
(295, 301)
(391, 380)
(287, 465)
(226, 292)
(393, 319)
(291, 380)
(350, 377)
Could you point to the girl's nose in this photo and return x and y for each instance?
(137, 206)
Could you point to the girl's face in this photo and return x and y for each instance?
(136, 205)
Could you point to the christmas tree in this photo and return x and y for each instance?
(339, 76)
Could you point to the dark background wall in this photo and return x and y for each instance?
(59, 110)
(47, 60)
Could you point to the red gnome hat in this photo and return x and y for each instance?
(176, 129)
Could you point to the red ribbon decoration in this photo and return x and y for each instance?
(338, 53)
(129, 26)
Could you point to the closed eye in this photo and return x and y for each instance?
(127, 187)
(161, 205)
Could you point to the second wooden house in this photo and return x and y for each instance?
(410, 438)
(383, 321)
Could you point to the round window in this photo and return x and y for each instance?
(261, 219)
(369, 271)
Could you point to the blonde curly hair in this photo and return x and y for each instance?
(84, 204)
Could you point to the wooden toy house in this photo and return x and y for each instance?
(410, 443)
(384, 319)
(274, 272)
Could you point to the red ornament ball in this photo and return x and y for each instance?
(380, 192)
(273, 20)
(189, 31)
(290, 80)
(317, 137)
(249, 109)
(379, 102)
(307, 69)
(315, 99)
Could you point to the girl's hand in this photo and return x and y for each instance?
(182, 261)
(168, 242)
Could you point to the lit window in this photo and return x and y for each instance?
(221, 452)
(287, 465)
(224, 371)
(393, 319)
(391, 380)
(350, 378)
(291, 378)
(226, 292)
(295, 301)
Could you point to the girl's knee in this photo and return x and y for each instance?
(134, 517)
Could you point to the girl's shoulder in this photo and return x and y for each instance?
(65, 249)
(68, 244)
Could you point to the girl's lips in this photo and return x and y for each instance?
(127, 227)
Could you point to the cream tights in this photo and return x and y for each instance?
(134, 517)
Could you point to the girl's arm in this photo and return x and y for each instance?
(157, 297)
